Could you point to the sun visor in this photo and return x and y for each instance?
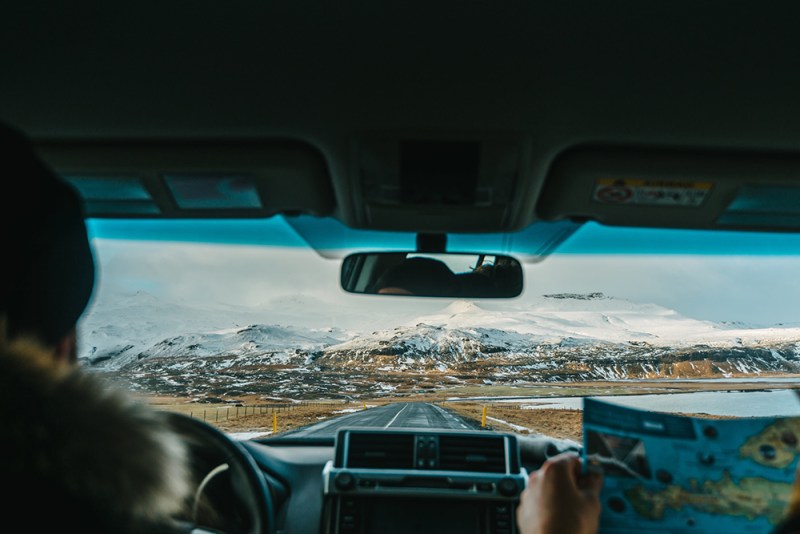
(674, 189)
(194, 180)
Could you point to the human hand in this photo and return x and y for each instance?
(559, 499)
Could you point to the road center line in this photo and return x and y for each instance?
(396, 416)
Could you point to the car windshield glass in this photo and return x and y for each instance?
(243, 324)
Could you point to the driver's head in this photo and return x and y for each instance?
(49, 267)
(418, 276)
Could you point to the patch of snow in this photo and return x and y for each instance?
(518, 428)
(243, 436)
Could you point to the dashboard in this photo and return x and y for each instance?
(424, 481)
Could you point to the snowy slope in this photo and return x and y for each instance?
(251, 340)
(428, 343)
(117, 332)
(597, 317)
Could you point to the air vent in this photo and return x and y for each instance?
(381, 451)
(485, 454)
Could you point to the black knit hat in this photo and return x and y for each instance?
(48, 260)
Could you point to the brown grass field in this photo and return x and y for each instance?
(253, 414)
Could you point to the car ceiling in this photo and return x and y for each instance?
(703, 85)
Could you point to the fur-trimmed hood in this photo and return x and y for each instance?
(75, 449)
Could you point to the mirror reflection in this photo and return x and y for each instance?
(458, 275)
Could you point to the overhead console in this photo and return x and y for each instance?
(423, 482)
(438, 185)
(674, 188)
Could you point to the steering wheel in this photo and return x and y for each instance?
(231, 488)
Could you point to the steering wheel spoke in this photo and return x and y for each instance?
(231, 488)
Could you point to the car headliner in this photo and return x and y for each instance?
(544, 76)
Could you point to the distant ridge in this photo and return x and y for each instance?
(577, 296)
(563, 337)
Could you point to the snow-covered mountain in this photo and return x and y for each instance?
(274, 340)
(425, 343)
(596, 317)
(573, 337)
(557, 338)
(119, 331)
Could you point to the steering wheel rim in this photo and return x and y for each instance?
(242, 466)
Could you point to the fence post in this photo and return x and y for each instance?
(204, 416)
(483, 418)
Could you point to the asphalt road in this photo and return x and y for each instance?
(398, 415)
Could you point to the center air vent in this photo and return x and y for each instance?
(485, 454)
(381, 451)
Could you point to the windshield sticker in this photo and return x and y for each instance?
(650, 192)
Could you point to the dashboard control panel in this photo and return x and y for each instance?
(422, 481)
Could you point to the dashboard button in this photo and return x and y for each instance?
(344, 481)
(508, 487)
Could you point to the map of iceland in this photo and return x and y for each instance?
(751, 498)
(686, 474)
(776, 446)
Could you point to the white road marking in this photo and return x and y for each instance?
(396, 416)
(448, 415)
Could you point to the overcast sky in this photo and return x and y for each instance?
(757, 289)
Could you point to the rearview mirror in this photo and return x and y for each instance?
(459, 275)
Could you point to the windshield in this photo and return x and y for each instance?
(243, 324)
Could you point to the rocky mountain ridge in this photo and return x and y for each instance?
(564, 338)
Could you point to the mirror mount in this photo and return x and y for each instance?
(432, 243)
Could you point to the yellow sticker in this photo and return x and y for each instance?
(651, 192)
